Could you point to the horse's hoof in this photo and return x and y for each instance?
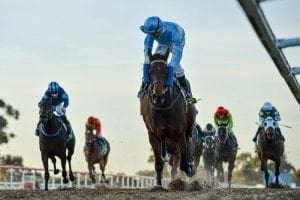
(72, 178)
(65, 181)
(56, 171)
(190, 171)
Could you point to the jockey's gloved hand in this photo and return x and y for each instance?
(146, 76)
(170, 74)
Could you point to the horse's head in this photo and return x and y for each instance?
(89, 135)
(209, 142)
(222, 133)
(46, 110)
(269, 128)
(158, 76)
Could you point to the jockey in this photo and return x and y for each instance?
(170, 38)
(268, 110)
(223, 117)
(95, 124)
(209, 130)
(60, 101)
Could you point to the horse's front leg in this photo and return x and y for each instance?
(92, 171)
(220, 175)
(277, 172)
(63, 160)
(230, 169)
(265, 169)
(102, 164)
(69, 158)
(46, 168)
(184, 165)
(56, 171)
(159, 164)
(174, 162)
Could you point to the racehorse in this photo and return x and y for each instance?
(225, 151)
(166, 115)
(270, 146)
(53, 140)
(95, 154)
(209, 157)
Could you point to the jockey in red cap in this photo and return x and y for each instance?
(94, 123)
(223, 117)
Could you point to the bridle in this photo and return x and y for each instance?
(222, 141)
(158, 100)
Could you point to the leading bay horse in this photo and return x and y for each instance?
(225, 151)
(270, 146)
(166, 115)
(94, 154)
(53, 140)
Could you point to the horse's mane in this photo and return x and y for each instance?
(158, 56)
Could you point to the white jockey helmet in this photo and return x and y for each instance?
(267, 106)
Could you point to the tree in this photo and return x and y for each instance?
(247, 168)
(11, 160)
(296, 176)
(9, 111)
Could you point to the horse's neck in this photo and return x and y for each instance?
(51, 125)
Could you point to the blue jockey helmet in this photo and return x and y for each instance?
(152, 25)
(209, 126)
(53, 87)
(267, 106)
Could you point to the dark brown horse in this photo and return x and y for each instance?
(94, 154)
(225, 151)
(166, 115)
(270, 146)
(209, 157)
(53, 141)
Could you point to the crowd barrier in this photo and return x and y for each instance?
(14, 178)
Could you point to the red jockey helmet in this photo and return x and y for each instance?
(91, 120)
(221, 111)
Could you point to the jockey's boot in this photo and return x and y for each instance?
(69, 128)
(280, 134)
(256, 134)
(37, 133)
(189, 98)
(142, 90)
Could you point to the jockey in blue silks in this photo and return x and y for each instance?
(170, 38)
(60, 101)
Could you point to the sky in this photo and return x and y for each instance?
(94, 50)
